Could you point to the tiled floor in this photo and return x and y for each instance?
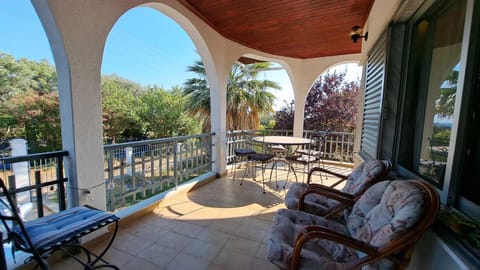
(221, 225)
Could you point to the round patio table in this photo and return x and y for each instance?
(282, 140)
(282, 151)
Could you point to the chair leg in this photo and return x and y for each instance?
(234, 168)
(244, 173)
(263, 176)
(290, 168)
(274, 166)
(92, 264)
(99, 257)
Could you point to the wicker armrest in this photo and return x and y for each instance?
(318, 169)
(316, 231)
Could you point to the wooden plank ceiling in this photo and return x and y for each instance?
(293, 28)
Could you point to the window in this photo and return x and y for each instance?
(440, 76)
(431, 92)
(438, 133)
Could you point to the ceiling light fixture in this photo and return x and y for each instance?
(356, 33)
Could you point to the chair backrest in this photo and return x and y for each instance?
(392, 215)
(319, 142)
(10, 217)
(365, 175)
(257, 145)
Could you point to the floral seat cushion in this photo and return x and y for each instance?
(385, 211)
(363, 175)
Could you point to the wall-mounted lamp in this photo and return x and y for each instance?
(357, 32)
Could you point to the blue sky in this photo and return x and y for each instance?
(144, 46)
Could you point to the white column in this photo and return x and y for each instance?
(20, 169)
(77, 36)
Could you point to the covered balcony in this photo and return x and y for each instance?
(209, 221)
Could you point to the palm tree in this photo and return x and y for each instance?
(247, 96)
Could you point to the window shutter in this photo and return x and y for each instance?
(374, 89)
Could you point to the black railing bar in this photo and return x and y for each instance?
(36, 186)
(38, 156)
(38, 182)
(60, 187)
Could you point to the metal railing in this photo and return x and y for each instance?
(338, 145)
(36, 182)
(138, 170)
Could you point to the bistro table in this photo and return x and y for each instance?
(285, 142)
(282, 140)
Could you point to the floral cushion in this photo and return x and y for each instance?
(365, 174)
(287, 224)
(314, 203)
(385, 211)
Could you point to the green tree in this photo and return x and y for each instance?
(35, 117)
(23, 75)
(164, 115)
(30, 107)
(445, 103)
(29, 103)
(247, 96)
(121, 105)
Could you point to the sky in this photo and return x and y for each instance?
(143, 46)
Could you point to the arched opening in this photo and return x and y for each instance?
(252, 93)
(257, 87)
(29, 112)
(29, 106)
(144, 69)
(331, 103)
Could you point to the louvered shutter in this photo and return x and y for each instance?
(374, 89)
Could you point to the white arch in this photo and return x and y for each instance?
(78, 32)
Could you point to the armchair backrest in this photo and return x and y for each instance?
(392, 215)
(365, 175)
(10, 216)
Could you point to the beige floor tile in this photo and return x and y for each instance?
(117, 257)
(204, 250)
(251, 233)
(188, 229)
(262, 264)
(158, 255)
(232, 260)
(138, 263)
(212, 236)
(185, 261)
(228, 226)
(242, 245)
(175, 240)
(131, 244)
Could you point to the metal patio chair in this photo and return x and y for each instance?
(259, 159)
(60, 231)
(242, 152)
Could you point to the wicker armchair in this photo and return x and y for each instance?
(379, 233)
(321, 202)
